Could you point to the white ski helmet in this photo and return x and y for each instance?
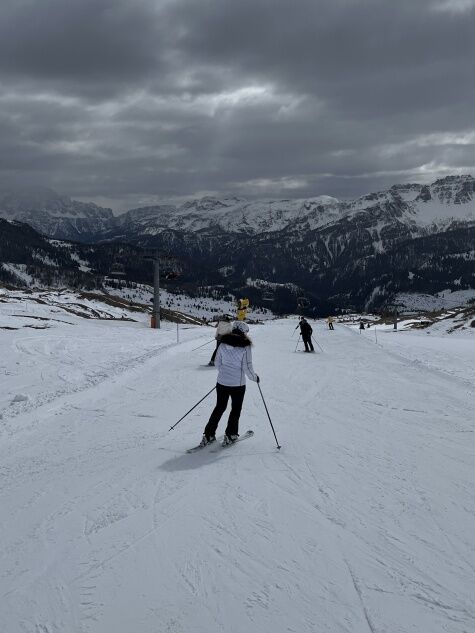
(241, 326)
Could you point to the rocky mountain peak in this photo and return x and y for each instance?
(209, 203)
(23, 203)
(454, 189)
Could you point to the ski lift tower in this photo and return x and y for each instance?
(171, 268)
(395, 315)
(152, 254)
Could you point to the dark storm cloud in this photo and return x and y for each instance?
(78, 45)
(139, 98)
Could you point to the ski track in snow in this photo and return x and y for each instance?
(64, 358)
(362, 523)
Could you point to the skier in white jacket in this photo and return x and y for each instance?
(224, 327)
(234, 363)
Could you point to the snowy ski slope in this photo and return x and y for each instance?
(363, 522)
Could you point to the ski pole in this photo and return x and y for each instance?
(207, 343)
(297, 343)
(317, 343)
(267, 411)
(184, 416)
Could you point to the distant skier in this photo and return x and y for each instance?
(330, 323)
(361, 325)
(298, 324)
(224, 327)
(306, 332)
(234, 363)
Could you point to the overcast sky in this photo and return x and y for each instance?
(126, 102)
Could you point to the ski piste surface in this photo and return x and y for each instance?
(214, 447)
(364, 523)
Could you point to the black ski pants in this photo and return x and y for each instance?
(307, 341)
(222, 397)
(218, 342)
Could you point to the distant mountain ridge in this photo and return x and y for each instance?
(31, 259)
(55, 215)
(340, 253)
(231, 215)
(445, 201)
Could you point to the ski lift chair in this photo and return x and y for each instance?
(117, 271)
(171, 267)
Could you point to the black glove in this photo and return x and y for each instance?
(258, 380)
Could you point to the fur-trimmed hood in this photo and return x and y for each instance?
(236, 340)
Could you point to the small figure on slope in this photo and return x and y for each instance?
(330, 323)
(306, 332)
(234, 363)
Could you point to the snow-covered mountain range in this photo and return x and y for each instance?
(425, 208)
(55, 215)
(231, 215)
(359, 252)
(356, 252)
(420, 207)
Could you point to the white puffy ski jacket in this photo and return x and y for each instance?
(223, 327)
(234, 364)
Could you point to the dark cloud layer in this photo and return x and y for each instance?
(132, 100)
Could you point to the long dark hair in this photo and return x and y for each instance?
(243, 338)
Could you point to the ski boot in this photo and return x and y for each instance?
(207, 440)
(229, 439)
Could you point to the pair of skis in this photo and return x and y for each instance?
(215, 446)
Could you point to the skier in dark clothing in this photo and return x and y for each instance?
(306, 332)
